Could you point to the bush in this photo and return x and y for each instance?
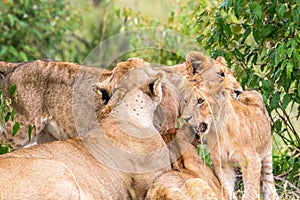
(34, 29)
(7, 114)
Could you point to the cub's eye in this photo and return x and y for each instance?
(221, 74)
(185, 102)
(200, 101)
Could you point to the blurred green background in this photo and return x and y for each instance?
(259, 39)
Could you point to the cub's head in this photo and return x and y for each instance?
(215, 72)
(251, 98)
(197, 112)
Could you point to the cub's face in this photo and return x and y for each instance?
(214, 71)
(197, 112)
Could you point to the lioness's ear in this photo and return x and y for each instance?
(195, 61)
(222, 60)
(154, 87)
(103, 91)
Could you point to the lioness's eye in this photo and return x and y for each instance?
(221, 74)
(200, 101)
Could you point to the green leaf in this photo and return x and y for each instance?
(256, 11)
(254, 59)
(238, 54)
(275, 100)
(12, 114)
(246, 34)
(3, 50)
(289, 69)
(278, 125)
(267, 31)
(7, 117)
(23, 56)
(266, 86)
(13, 50)
(29, 132)
(16, 127)
(256, 35)
(11, 19)
(281, 10)
(13, 89)
(237, 8)
(285, 101)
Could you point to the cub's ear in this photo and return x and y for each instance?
(195, 61)
(104, 91)
(222, 60)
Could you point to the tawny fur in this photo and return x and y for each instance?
(239, 131)
(239, 135)
(189, 178)
(77, 156)
(173, 93)
(44, 98)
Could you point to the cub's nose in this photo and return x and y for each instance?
(237, 93)
(187, 119)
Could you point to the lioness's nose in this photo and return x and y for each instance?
(187, 119)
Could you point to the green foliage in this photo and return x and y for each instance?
(203, 152)
(34, 29)
(261, 42)
(7, 114)
(287, 165)
(133, 18)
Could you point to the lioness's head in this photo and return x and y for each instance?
(138, 99)
(215, 72)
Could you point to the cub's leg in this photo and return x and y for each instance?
(225, 174)
(267, 179)
(251, 177)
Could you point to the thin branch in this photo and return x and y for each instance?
(291, 125)
(295, 192)
(292, 186)
(288, 125)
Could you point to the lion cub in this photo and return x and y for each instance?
(238, 135)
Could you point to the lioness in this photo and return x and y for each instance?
(83, 175)
(239, 135)
(44, 98)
